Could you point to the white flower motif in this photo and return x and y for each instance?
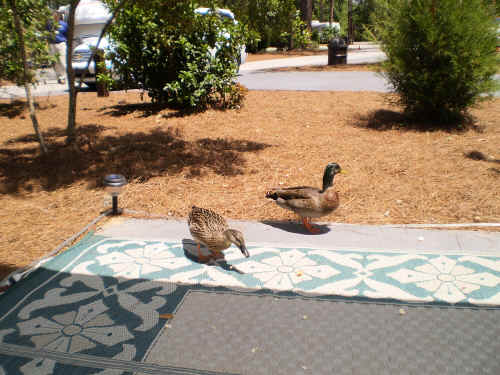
(75, 331)
(446, 279)
(140, 261)
(205, 275)
(286, 269)
(364, 267)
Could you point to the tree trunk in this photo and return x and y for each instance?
(102, 88)
(330, 18)
(71, 127)
(306, 12)
(321, 12)
(350, 26)
(73, 91)
(27, 75)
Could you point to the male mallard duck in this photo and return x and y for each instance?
(210, 229)
(308, 201)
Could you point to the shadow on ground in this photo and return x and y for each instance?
(16, 108)
(296, 227)
(145, 110)
(190, 251)
(138, 156)
(384, 120)
(479, 156)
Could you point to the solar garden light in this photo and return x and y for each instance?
(114, 184)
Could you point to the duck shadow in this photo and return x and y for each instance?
(296, 227)
(191, 252)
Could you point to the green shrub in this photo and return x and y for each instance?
(265, 20)
(34, 16)
(441, 55)
(315, 36)
(362, 17)
(300, 36)
(179, 58)
(328, 33)
(253, 41)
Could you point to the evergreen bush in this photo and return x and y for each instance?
(441, 55)
(328, 33)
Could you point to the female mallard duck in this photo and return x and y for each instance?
(211, 230)
(308, 201)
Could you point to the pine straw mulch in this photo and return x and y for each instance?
(225, 160)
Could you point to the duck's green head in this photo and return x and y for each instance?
(330, 171)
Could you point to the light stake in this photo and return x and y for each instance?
(114, 184)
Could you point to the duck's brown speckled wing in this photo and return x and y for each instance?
(207, 227)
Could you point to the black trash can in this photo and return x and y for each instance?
(337, 51)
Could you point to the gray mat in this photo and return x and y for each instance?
(264, 334)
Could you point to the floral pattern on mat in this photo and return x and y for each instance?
(407, 277)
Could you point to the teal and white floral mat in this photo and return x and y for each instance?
(98, 307)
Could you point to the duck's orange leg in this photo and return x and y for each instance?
(202, 258)
(309, 227)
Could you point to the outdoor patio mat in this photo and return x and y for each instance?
(110, 307)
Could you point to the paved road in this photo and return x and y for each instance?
(256, 75)
(369, 56)
(315, 81)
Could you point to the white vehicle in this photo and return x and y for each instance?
(316, 25)
(230, 15)
(90, 18)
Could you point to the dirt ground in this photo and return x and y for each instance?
(226, 160)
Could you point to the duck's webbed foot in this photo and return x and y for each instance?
(203, 258)
(307, 223)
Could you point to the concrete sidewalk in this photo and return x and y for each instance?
(334, 236)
